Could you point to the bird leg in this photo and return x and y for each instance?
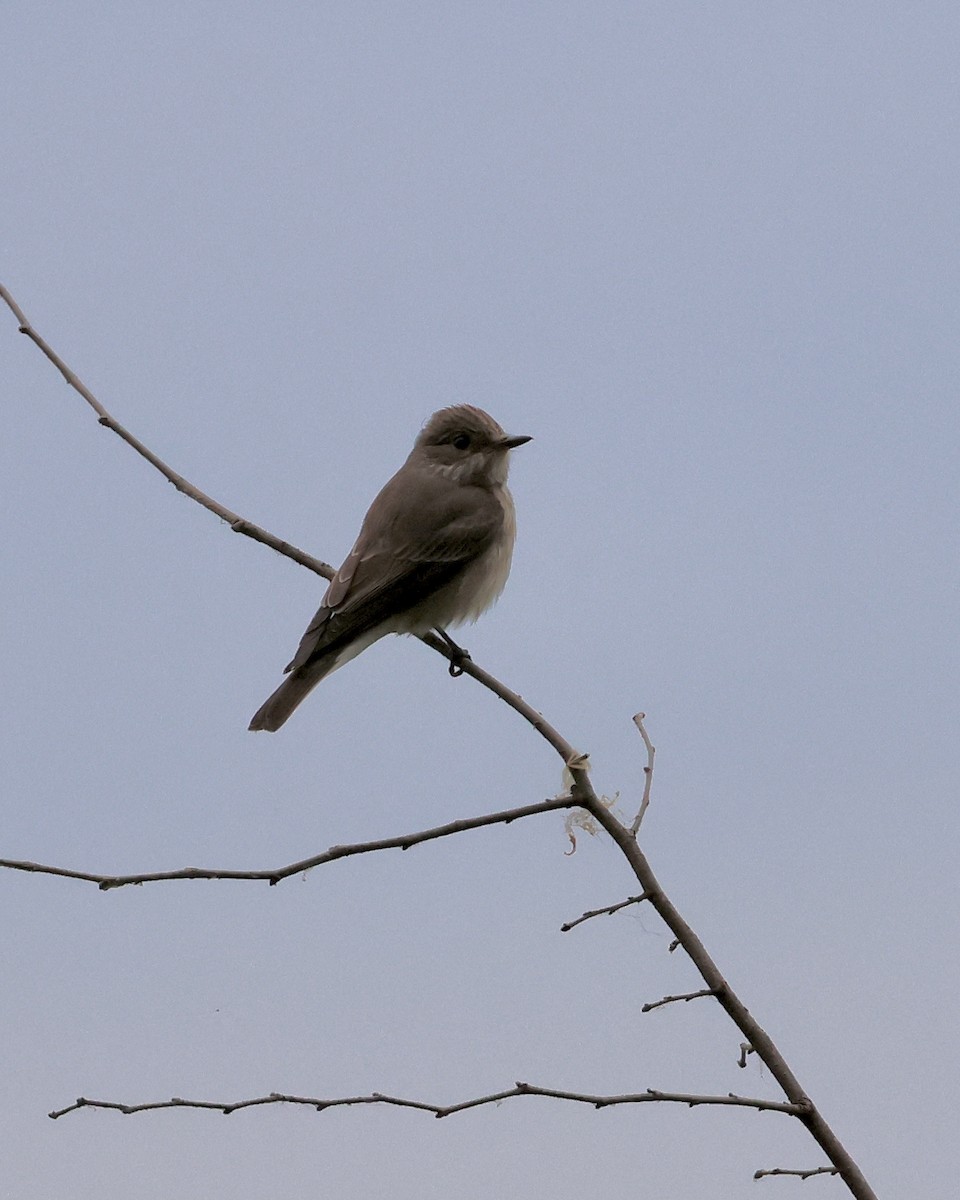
(458, 656)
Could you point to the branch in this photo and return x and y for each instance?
(237, 523)
(403, 842)
(687, 996)
(799, 1174)
(647, 772)
(582, 794)
(438, 1110)
(600, 912)
(754, 1033)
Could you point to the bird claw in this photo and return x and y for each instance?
(457, 655)
(457, 658)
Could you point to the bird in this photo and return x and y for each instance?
(434, 551)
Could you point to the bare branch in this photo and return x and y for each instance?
(575, 762)
(647, 772)
(745, 1049)
(520, 1089)
(403, 842)
(237, 523)
(764, 1045)
(582, 794)
(599, 912)
(799, 1174)
(673, 999)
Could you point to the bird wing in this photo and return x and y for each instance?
(405, 552)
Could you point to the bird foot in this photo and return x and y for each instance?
(458, 656)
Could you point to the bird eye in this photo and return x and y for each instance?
(462, 441)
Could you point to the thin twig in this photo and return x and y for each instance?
(647, 773)
(237, 523)
(674, 999)
(403, 842)
(799, 1174)
(600, 912)
(441, 1110)
(575, 762)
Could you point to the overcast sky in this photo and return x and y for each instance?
(707, 256)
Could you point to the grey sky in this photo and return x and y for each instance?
(707, 256)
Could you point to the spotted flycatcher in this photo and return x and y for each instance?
(434, 551)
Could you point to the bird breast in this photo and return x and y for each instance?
(475, 588)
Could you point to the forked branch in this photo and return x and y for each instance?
(582, 794)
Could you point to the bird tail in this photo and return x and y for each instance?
(272, 714)
(302, 680)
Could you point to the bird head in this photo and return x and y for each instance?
(467, 444)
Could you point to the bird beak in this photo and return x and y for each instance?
(511, 443)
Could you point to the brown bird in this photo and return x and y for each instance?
(434, 551)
